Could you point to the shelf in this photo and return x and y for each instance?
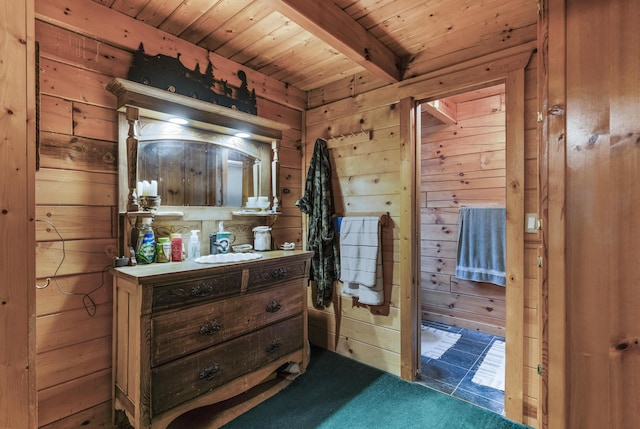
(160, 104)
(254, 213)
(157, 213)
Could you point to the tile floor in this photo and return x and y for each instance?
(452, 373)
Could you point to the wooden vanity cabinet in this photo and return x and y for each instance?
(187, 335)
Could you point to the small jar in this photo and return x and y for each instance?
(163, 250)
(262, 238)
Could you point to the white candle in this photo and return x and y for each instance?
(146, 187)
(139, 189)
(154, 188)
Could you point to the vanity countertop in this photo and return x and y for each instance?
(142, 273)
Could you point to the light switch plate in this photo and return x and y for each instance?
(531, 223)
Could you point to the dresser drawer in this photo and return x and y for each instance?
(268, 274)
(182, 332)
(187, 378)
(194, 291)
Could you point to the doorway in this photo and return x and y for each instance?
(462, 141)
(511, 72)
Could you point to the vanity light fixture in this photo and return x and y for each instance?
(243, 135)
(178, 121)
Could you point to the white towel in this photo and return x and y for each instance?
(361, 259)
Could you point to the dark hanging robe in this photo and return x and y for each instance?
(317, 202)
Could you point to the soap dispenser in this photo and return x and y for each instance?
(194, 245)
(224, 239)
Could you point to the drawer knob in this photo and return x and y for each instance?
(202, 289)
(273, 307)
(210, 327)
(209, 372)
(274, 345)
(280, 273)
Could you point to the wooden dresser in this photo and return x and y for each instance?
(188, 335)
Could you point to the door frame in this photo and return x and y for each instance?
(510, 70)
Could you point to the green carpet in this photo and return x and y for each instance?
(337, 392)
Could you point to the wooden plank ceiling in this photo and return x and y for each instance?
(311, 43)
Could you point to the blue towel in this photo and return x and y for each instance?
(482, 252)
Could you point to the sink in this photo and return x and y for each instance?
(225, 258)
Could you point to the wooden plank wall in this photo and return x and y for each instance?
(602, 224)
(366, 178)
(462, 164)
(76, 194)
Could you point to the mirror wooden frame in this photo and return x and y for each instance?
(136, 100)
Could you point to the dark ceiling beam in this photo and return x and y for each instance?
(325, 20)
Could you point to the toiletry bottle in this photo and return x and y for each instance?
(146, 248)
(132, 257)
(176, 247)
(163, 250)
(194, 245)
(222, 242)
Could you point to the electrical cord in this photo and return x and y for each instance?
(87, 301)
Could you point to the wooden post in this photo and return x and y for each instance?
(275, 175)
(409, 286)
(514, 293)
(18, 400)
(132, 159)
(552, 101)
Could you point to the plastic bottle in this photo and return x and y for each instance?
(146, 247)
(132, 254)
(163, 250)
(194, 245)
(176, 247)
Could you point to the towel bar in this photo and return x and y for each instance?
(483, 205)
(383, 216)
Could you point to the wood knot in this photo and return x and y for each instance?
(556, 110)
(623, 346)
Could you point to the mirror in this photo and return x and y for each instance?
(201, 164)
(193, 167)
